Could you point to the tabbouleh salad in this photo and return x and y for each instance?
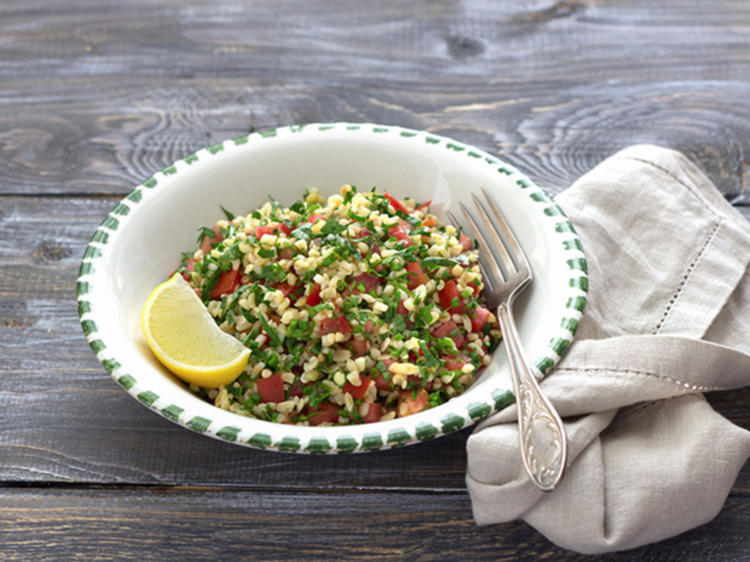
(356, 308)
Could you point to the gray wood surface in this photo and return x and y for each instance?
(96, 96)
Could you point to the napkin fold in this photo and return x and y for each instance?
(667, 319)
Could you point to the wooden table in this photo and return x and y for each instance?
(96, 96)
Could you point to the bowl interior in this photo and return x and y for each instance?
(242, 174)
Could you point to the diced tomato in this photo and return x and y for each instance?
(408, 405)
(270, 228)
(189, 267)
(449, 329)
(286, 254)
(479, 317)
(400, 233)
(295, 389)
(416, 380)
(369, 282)
(271, 389)
(315, 218)
(381, 383)
(361, 390)
(359, 347)
(207, 242)
(466, 242)
(459, 340)
(326, 412)
(395, 203)
(424, 205)
(447, 294)
(227, 283)
(334, 325)
(415, 275)
(380, 380)
(374, 413)
(444, 330)
(475, 288)
(402, 311)
(291, 291)
(364, 232)
(457, 362)
(314, 297)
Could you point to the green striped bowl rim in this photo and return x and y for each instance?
(157, 390)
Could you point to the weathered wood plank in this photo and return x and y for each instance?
(91, 107)
(552, 136)
(96, 97)
(192, 524)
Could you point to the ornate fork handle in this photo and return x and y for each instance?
(542, 437)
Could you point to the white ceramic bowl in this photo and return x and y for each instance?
(139, 243)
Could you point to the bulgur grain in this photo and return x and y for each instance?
(348, 304)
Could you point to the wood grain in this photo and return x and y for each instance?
(202, 524)
(95, 97)
(92, 107)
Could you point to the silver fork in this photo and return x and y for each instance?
(542, 436)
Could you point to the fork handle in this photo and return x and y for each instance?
(541, 432)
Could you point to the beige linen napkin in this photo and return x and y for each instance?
(668, 318)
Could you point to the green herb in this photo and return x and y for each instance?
(302, 232)
(271, 332)
(313, 310)
(445, 346)
(295, 349)
(438, 397)
(434, 262)
(298, 207)
(350, 303)
(229, 215)
(272, 360)
(273, 273)
(274, 208)
(332, 226)
(349, 195)
(399, 324)
(408, 218)
(429, 359)
(205, 232)
(270, 414)
(355, 217)
(329, 259)
(424, 314)
(316, 394)
(299, 329)
(234, 390)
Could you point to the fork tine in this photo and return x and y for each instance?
(488, 254)
(515, 247)
(492, 276)
(498, 242)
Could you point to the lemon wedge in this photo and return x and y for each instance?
(186, 340)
